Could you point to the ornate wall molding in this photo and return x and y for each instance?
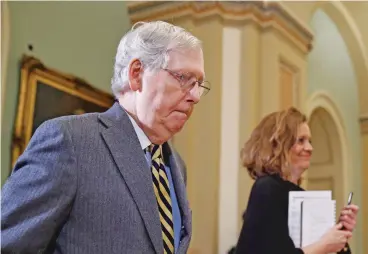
(289, 84)
(364, 124)
(264, 14)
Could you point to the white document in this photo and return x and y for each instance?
(318, 216)
(294, 211)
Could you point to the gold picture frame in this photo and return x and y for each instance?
(46, 93)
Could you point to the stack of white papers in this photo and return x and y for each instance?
(311, 214)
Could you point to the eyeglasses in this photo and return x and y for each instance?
(188, 81)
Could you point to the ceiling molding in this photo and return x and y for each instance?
(264, 14)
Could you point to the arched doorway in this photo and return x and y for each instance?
(326, 170)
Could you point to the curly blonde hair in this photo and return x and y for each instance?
(266, 152)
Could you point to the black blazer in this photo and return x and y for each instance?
(265, 228)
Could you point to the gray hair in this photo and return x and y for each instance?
(150, 42)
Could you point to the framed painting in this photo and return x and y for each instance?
(44, 94)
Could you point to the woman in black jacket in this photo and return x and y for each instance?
(276, 155)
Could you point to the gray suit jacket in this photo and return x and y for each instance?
(83, 185)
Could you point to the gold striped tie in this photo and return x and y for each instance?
(162, 192)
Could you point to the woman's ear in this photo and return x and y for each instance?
(135, 75)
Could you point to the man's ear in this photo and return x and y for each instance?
(135, 75)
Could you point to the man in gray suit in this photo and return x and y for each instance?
(110, 182)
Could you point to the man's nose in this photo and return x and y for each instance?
(195, 93)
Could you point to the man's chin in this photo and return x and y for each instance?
(175, 129)
(165, 135)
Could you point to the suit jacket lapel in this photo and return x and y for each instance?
(124, 146)
(177, 168)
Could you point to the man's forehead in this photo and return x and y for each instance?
(189, 61)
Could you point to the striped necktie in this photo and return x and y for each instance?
(162, 193)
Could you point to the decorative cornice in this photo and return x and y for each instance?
(364, 124)
(264, 14)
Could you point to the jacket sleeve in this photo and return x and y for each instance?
(38, 195)
(265, 229)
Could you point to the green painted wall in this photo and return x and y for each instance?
(74, 37)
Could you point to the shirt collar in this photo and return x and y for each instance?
(142, 137)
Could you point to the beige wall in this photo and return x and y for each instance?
(199, 142)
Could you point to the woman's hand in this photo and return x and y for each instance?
(348, 217)
(334, 240)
